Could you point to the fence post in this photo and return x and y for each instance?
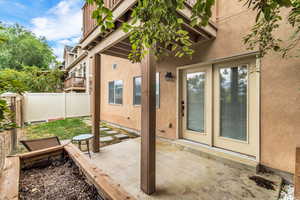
(65, 105)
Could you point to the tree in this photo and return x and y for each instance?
(155, 24)
(2, 38)
(31, 79)
(12, 85)
(22, 48)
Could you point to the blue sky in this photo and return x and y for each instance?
(60, 21)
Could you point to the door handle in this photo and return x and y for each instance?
(182, 108)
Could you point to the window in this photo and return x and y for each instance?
(137, 90)
(157, 92)
(195, 91)
(115, 92)
(233, 102)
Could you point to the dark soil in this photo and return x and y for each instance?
(262, 182)
(61, 180)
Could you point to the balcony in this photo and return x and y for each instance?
(116, 43)
(75, 84)
(89, 24)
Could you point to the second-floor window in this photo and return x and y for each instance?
(115, 92)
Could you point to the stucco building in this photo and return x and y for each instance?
(225, 97)
(77, 70)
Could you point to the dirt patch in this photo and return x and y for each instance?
(262, 182)
(60, 180)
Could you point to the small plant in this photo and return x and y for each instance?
(5, 116)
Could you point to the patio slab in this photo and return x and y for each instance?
(112, 132)
(106, 139)
(182, 175)
(121, 136)
(104, 129)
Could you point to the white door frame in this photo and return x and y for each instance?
(256, 70)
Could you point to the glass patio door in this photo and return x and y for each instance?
(196, 104)
(235, 107)
(220, 106)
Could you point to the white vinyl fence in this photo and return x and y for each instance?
(47, 106)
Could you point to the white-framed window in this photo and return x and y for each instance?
(115, 92)
(137, 90)
(157, 92)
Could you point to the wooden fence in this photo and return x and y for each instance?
(9, 138)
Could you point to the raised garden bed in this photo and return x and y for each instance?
(61, 172)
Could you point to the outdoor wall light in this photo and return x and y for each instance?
(169, 76)
(114, 66)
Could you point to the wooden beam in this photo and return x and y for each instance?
(37, 153)
(9, 179)
(116, 54)
(119, 50)
(123, 46)
(96, 98)
(148, 126)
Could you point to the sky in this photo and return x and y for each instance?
(60, 21)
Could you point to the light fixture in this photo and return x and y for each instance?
(169, 76)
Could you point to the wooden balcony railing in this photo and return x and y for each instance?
(89, 24)
(75, 82)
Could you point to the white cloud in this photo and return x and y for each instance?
(59, 51)
(62, 21)
(61, 24)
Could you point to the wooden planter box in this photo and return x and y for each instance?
(9, 180)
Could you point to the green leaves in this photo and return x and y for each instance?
(261, 35)
(102, 15)
(202, 12)
(268, 20)
(21, 47)
(156, 24)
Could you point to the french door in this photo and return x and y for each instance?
(220, 106)
(196, 105)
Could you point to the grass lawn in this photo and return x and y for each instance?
(64, 129)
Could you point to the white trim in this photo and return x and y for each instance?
(223, 59)
(178, 103)
(212, 62)
(258, 66)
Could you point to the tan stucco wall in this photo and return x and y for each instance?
(280, 83)
(126, 114)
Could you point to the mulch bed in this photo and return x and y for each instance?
(60, 180)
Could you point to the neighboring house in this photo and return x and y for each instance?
(225, 97)
(77, 69)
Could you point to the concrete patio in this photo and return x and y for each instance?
(182, 175)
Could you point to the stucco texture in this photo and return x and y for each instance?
(280, 87)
